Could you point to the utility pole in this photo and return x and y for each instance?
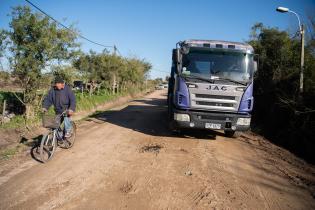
(302, 32)
(115, 49)
(114, 76)
(114, 83)
(302, 60)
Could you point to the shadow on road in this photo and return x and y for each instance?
(33, 144)
(149, 116)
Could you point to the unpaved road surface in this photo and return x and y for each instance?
(126, 158)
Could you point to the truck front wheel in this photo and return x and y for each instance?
(171, 124)
(229, 133)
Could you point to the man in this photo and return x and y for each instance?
(62, 97)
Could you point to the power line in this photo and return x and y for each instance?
(79, 35)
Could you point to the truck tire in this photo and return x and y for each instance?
(230, 134)
(170, 112)
(171, 123)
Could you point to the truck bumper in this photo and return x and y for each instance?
(202, 120)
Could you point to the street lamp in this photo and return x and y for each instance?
(301, 27)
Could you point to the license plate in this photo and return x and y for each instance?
(213, 126)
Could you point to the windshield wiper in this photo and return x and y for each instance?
(196, 77)
(231, 80)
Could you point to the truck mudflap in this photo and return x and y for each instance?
(211, 120)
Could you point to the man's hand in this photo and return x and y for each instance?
(70, 112)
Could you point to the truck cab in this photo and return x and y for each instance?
(211, 85)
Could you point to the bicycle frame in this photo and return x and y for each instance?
(51, 140)
(56, 131)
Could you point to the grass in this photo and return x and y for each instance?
(11, 151)
(15, 122)
(90, 102)
(18, 121)
(8, 153)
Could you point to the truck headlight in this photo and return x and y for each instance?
(181, 117)
(243, 121)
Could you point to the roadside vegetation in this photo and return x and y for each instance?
(284, 116)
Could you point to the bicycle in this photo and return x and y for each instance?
(55, 136)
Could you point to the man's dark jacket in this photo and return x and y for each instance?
(61, 99)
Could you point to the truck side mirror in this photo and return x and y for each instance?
(176, 59)
(256, 62)
(255, 66)
(174, 56)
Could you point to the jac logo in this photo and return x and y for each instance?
(215, 87)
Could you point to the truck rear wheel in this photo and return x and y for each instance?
(170, 111)
(229, 133)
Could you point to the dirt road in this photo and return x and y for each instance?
(126, 158)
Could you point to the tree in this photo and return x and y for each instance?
(34, 43)
(67, 72)
(87, 65)
(112, 71)
(3, 36)
(277, 112)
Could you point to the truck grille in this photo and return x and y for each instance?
(215, 102)
(210, 117)
(204, 98)
(215, 96)
(206, 103)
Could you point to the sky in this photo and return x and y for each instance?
(150, 29)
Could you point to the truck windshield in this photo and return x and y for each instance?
(235, 66)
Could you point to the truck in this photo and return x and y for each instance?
(211, 86)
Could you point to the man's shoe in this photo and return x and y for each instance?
(68, 135)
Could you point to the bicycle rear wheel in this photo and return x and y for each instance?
(69, 142)
(47, 147)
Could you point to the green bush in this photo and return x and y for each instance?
(87, 102)
(280, 114)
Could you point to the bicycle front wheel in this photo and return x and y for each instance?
(47, 147)
(68, 142)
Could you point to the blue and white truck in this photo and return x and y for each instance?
(211, 85)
